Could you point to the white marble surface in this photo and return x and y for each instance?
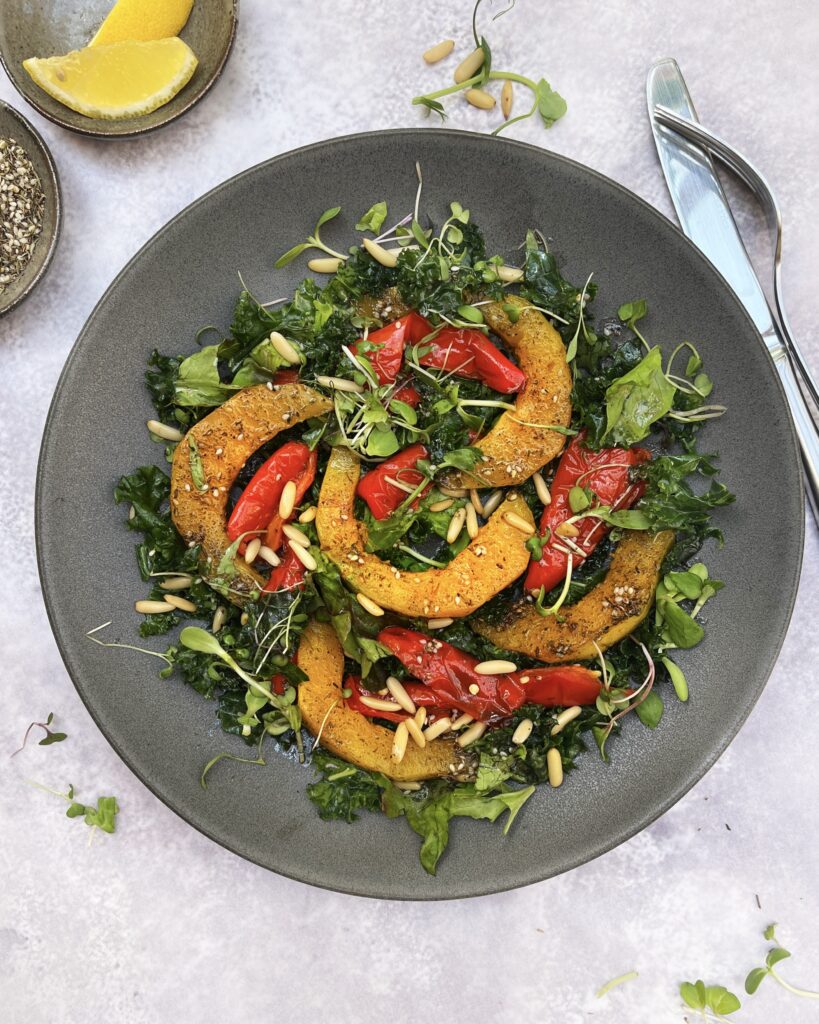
(158, 924)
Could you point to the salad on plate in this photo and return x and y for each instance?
(437, 524)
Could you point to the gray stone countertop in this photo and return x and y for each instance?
(157, 923)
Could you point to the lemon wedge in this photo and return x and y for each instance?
(143, 20)
(117, 80)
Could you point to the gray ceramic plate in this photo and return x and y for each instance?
(186, 277)
(14, 125)
(44, 28)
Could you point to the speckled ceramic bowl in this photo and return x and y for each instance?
(14, 125)
(45, 28)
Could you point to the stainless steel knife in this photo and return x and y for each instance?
(705, 216)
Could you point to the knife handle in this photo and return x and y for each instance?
(806, 431)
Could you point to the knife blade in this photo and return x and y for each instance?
(705, 216)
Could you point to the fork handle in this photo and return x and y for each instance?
(806, 431)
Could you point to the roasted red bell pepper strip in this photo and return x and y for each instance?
(407, 393)
(422, 695)
(560, 686)
(381, 496)
(286, 377)
(288, 575)
(273, 537)
(469, 353)
(259, 501)
(463, 351)
(390, 341)
(449, 673)
(606, 473)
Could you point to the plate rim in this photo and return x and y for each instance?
(130, 133)
(377, 891)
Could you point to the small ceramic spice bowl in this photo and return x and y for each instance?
(46, 28)
(14, 126)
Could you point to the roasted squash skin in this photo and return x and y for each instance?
(609, 612)
(350, 735)
(225, 440)
(513, 450)
(495, 558)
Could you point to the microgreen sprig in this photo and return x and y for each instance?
(313, 241)
(716, 998)
(50, 735)
(548, 104)
(775, 955)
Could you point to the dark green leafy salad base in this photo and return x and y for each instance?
(625, 390)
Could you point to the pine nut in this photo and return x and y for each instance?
(440, 506)
(498, 667)
(421, 717)
(244, 618)
(408, 787)
(303, 556)
(439, 623)
(564, 718)
(287, 501)
(475, 498)
(507, 96)
(324, 264)
(269, 555)
(509, 275)
(339, 384)
(453, 492)
(480, 98)
(400, 695)
(151, 607)
(474, 689)
(439, 51)
(379, 705)
(219, 617)
(462, 722)
(456, 524)
(296, 535)
(554, 766)
(523, 731)
(370, 606)
(182, 603)
(286, 350)
(567, 529)
(470, 65)
(399, 742)
(474, 732)
(308, 515)
(132, 512)
(472, 527)
(543, 493)
(386, 257)
(165, 432)
(492, 502)
(176, 583)
(415, 732)
(519, 523)
(252, 550)
(432, 732)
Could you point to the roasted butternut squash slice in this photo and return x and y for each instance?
(609, 612)
(520, 442)
(495, 558)
(225, 440)
(346, 733)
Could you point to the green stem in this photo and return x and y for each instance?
(792, 988)
(450, 90)
(510, 76)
